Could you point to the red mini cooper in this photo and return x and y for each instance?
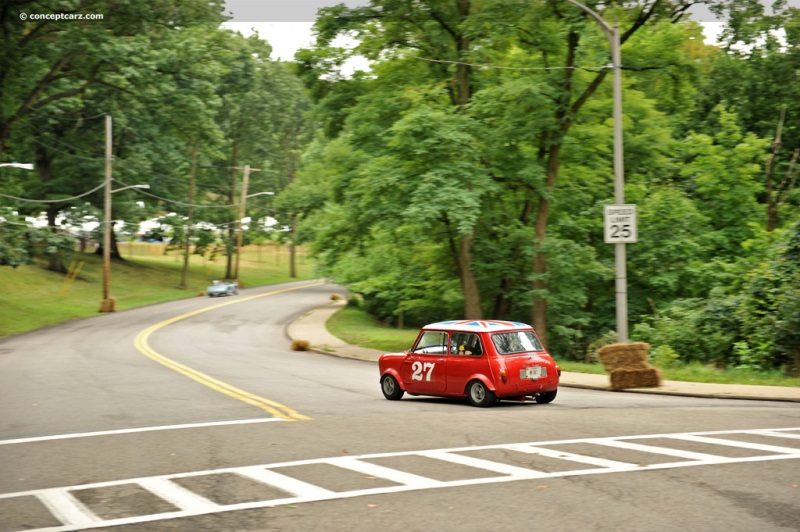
(484, 361)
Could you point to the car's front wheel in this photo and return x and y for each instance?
(546, 397)
(391, 388)
(479, 395)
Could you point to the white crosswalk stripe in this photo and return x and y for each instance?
(66, 505)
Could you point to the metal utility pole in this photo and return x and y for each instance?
(612, 33)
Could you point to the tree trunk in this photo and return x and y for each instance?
(772, 207)
(293, 249)
(115, 254)
(55, 262)
(463, 92)
(540, 233)
(796, 362)
(44, 162)
(469, 285)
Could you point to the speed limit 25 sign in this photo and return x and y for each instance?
(620, 224)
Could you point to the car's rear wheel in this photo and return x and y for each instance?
(479, 395)
(546, 397)
(391, 388)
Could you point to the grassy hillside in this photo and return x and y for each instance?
(353, 325)
(32, 297)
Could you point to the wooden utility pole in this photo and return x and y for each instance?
(108, 304)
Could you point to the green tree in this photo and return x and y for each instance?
(724, 175)
(523, 111)
(768, 308)
(49, 62)
(754, 77)
(68, 74)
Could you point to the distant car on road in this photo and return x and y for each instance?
(482, 360)
(222, 288)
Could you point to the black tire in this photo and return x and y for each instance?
(479, 395)
(391, 388)
(546, 397)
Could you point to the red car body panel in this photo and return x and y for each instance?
(506, 356)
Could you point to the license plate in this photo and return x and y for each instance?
(534, 372)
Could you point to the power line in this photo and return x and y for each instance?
(98, 187)
(497, 67)
(101, 185)
(176, 202)
(93, 159)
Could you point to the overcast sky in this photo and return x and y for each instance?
(286, 24)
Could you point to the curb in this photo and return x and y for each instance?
(311, 327)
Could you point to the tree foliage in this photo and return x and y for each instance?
(485, 127)
(191, 104)
(463, 175)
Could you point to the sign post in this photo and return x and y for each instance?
(612, 33)
(620, 229)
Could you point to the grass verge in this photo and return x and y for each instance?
(354, 326)
(32, 297)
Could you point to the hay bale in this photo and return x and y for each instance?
(635, 378)
(300, 345)
(624, 356)
(628, 367)
(108, 305)
(335, 297)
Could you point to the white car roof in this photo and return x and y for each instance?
(477, 325)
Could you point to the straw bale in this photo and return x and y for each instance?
(108, 305)
(635, 378)
(628, 367)
(300, 345)
(624, 356)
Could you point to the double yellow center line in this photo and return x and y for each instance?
(273, 408)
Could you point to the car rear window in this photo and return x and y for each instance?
(465, 344)
(516, 342)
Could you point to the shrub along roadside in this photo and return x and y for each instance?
(32, 297)
(354, 326)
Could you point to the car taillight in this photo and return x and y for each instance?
(558, 370)
(504, 376)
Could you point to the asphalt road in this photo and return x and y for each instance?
(196, 415)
